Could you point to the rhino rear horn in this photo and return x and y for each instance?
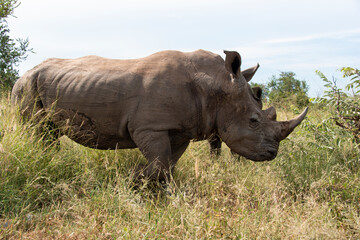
(270, 113)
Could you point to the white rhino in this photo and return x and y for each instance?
(157, 104)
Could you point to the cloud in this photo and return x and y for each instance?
(331, 49)
(303, 55)
(337, 35)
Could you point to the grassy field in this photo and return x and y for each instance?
(310, 191)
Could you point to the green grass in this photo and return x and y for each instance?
(310, 191)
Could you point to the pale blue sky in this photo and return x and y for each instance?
(300, 35)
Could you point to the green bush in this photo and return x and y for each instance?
(12, 52)
(286, 89)
(344, 106)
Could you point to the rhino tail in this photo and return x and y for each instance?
(26, 96)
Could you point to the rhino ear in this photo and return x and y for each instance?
(250, 72)
(233, 62)
(257, 92)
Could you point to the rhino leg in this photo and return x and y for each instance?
(162, 153)
(156, 148)
(49, 132)
(177, 149)
(215, 146)
(41, 120)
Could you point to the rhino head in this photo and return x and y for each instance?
(241, 123)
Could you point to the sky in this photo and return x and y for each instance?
(301, 36)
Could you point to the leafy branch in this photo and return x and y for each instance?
(346, 106)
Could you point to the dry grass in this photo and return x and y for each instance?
(311, 191)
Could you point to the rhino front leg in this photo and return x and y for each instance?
(215, 146)
(178, 147)
(156, 148)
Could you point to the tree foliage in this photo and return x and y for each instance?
(287, 89)
(12, 51)
(345, 106)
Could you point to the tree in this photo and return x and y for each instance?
(12, 52)
(345, 106)
(286, 88)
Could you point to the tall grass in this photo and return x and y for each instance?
(310, 191)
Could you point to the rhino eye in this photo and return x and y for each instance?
(254, 122)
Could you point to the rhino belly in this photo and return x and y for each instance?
(91, 132)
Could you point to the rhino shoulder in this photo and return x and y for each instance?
(207, 58)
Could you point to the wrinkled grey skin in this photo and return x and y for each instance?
(215, 141)
(157, 104)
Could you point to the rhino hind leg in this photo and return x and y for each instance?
(41, 121)
(51, 133)
(26, 97)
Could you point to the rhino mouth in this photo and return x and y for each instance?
(267, 154)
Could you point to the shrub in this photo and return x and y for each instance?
(287, 89)
(11, 51)
(345, 107)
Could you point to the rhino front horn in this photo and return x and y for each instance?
(288, 126)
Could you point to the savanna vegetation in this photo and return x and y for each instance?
(12, 51)
(285, 91)
(65, 191)
(310, 191)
